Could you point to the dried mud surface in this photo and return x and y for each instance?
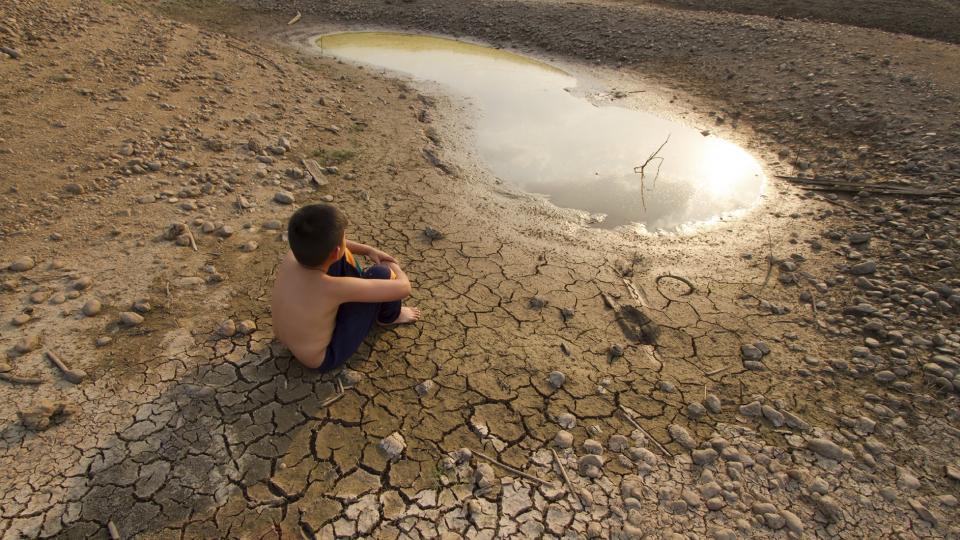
(922, 18)
(805, 387)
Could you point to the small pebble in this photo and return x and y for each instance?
(92, 307)
(130, 318)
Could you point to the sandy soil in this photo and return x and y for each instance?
(933, 19)
(805, 387)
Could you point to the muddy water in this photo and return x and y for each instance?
(533, 132)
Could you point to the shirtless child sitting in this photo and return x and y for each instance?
(324, 303)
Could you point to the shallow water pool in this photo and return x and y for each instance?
(532, 132)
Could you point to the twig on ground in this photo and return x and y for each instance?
(113, 530)
(260, 56)
(769, 259)
(329, 401)
(517, 472)
(193, 241)
(645, 432)
(294, 19)
(566, 479)
(16, 379)
(718, 370)
(813, 306)
(681, 279)
(339, 385)
(641, 170)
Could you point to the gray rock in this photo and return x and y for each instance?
(793, 522)
(484, 476)
(91, 307)
(566, 420)
(425, 387)
(563, 439)
(432, 234)
(704, 456)
(885, 376)
(393, 446)
(592, 446)
(591, 466)
(284, 197)
(130, 318)
(22, 264)
(556, 379)
(538, 302)
(751, 409)
(749, 352)
(826, 448)
(618, 443)
(712, 402)
(682, 436)
(774, 521)
(829, 507)
(860, 310)
(27, 344)
(753, 365)
(272, 225)
(81, 284)
(856, 238)
(227, 328)
(772, 415)
(696, 411)
(246, 327)
(864, 268)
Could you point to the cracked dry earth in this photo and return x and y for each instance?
(730, 410)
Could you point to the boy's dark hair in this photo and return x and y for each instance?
(314, 232)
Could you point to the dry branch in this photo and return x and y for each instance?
(681, 279)
(517, 472)
(641, 170)
(566, 479)
(635, 424)
(260, 56)
(716, 371)
(16, 379)
(294, 19)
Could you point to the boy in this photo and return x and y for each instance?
(323, 303)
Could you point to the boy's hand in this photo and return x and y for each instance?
(379, 257)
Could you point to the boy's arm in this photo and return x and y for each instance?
(371, 253)
(375, 290)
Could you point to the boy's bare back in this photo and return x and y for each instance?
(304, 309)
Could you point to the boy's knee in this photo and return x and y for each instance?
(378, 271)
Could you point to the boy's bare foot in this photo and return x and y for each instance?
(407, 315)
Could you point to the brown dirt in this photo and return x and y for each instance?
(934, 19)
(182, 432)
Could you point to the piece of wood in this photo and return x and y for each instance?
(75, 376)
(517, 472)
(566, 479)
(193, 241)
(294, 19)
(716, 371)
(329, 401)
(315, 170)
(645, 432)
(260, 56)
(114, 531)
(16, 379)
(339, 385)
(681, 279)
